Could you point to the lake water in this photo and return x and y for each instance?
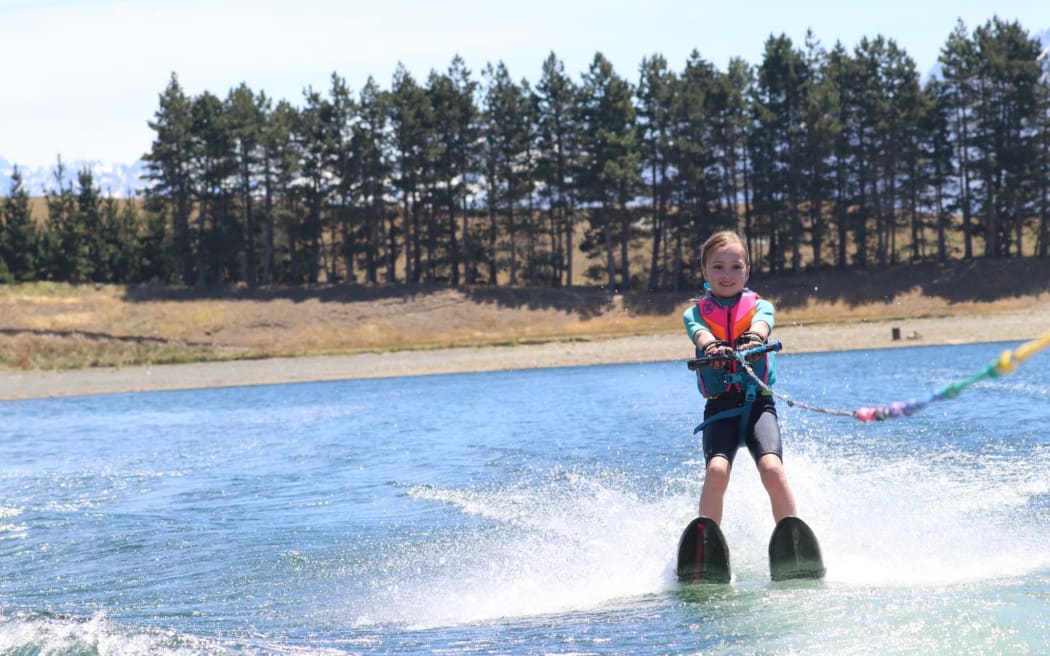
(526, 512)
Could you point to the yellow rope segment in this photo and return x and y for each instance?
(1028, 349)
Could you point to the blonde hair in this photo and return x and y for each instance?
(720, 239)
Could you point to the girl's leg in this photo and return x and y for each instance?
(716, 480)
(774, 478)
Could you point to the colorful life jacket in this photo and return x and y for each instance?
(727, 323)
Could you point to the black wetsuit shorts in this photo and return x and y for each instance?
(761, 436)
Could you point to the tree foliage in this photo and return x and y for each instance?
(839, 157)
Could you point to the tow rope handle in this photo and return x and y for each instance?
(738, 355)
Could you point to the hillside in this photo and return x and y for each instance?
(49, 326)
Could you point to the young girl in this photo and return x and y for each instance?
(731, 317)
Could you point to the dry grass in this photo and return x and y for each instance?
(53, 326)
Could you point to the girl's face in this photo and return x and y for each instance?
(725, 269)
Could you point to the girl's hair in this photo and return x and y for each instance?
(720, 239)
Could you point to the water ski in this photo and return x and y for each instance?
(794, 552)
(703, 556)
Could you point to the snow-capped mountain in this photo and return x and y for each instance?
(119, 180)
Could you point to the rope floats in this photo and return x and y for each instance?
(1007, 362)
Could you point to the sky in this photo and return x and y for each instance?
(81, 78)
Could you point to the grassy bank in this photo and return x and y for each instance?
(57, 326)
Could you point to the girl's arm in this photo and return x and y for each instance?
(696, 328)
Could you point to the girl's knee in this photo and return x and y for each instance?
(717, 473)
(718, 467)
(770, 463)
(771, 469)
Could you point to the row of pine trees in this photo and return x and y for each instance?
(821, 157)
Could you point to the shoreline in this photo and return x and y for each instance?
(843, 336)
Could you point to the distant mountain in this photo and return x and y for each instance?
(120, 180)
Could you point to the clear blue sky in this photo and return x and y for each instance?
(81, 77)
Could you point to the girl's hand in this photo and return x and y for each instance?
(748, 341)
(718, 349)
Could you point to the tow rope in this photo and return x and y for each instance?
(1007, 362)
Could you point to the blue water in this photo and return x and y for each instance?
(523, 512)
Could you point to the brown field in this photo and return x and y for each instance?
(58, 340)
(52, 326)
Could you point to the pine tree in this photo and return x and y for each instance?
(959, 69)
(123, 226)
(656, 88)
(315, 136)
(279, 165)
(155, 254)
(868, 107)
(85, 235)
(245, 113)
(507, 140)
(370, 150)
(777, 147)
(410, 123)
(1006, 118)
(907, 136)
(215, 242)
(838, 73)
(168, 170)
(18, 232)
(731, 132)
(821, 128)
(1042, 248)
(339, 162)
(557, 145)
(696, 180)
(888, 104)
(940, 165)
(452, 155)
(63, 241)
(610, 162)
(537, 257)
